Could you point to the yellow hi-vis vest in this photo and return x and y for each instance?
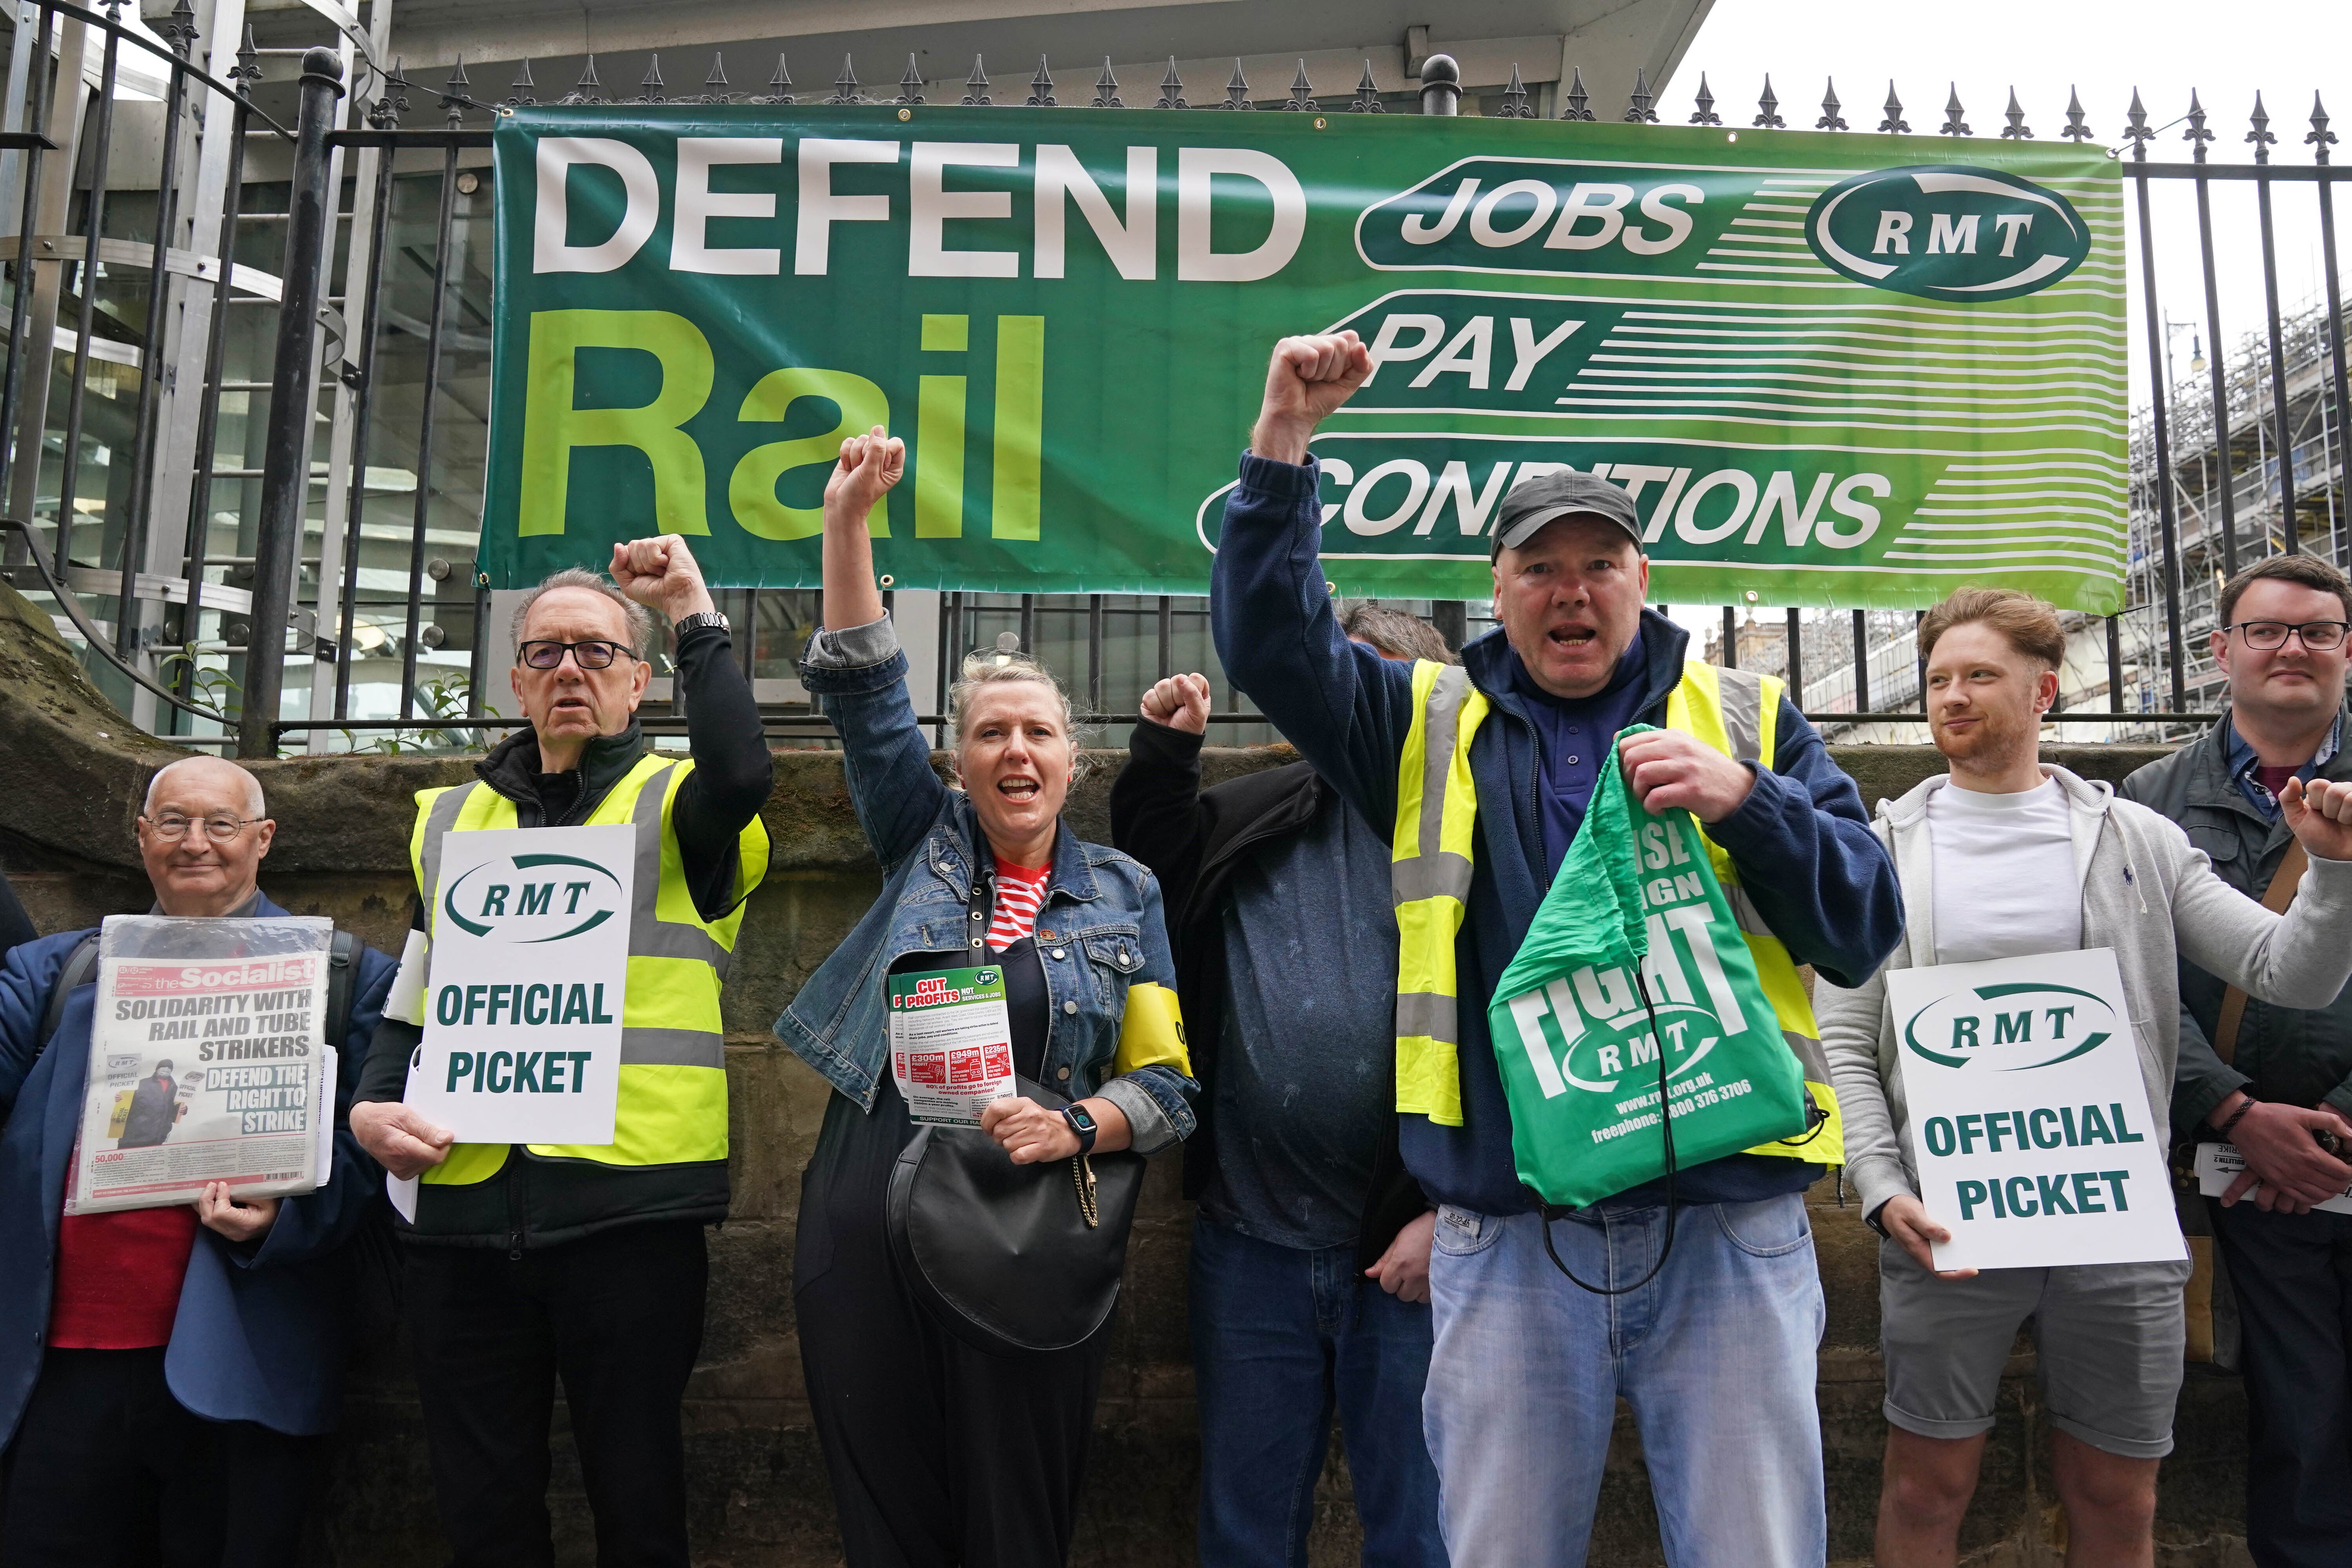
(1734, 710)
(673, 1079)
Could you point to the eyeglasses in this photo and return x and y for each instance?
(2317, 636)
(593, 655)
(171, 826)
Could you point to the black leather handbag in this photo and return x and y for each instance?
(1012, 1259)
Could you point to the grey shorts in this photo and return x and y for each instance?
(2108, 1339)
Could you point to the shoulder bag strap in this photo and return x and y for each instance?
(78, 966)
(2275, 898)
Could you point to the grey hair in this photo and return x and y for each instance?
(640, 624)
(984, 670)
(1395, 634)
(254, 803)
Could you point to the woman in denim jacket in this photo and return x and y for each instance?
(939, 1453)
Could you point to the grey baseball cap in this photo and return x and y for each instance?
(1533, 502)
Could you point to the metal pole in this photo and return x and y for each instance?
(2284, 438)
(2218, 372)
(278, 535)
(1441, 85)
(435, 319)
(1796, 661)
(2335, 330)
(151, 369)
(2164, 511)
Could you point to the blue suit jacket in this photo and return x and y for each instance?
(260, 1334)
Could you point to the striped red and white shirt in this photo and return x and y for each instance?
(1019, 893)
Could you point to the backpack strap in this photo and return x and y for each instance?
(79, 965)
(342, 974)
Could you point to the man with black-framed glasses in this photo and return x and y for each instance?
(587, 1264)
(2274, 1082)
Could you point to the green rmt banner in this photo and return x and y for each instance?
(1825, 374)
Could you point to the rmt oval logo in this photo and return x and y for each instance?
(1948, 232)
(531, 899)
(2009, 1029)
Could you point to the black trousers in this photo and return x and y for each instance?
(938, 1455)
(108, 1470)
(618, 1317)
(2293, 1278)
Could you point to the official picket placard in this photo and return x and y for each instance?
(2030, 1126)
(208, 1062)
(1850, 370)
(528, 978)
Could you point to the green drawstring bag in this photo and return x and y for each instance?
(1634, 984)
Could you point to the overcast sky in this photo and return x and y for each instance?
(2286, 49)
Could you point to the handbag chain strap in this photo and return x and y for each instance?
(1082, 1173)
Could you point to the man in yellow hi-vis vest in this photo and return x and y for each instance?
(1482, 777)
(527, 1263)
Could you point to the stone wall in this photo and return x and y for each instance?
(72, 772)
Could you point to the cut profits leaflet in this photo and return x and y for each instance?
(208, 1062)
(950, 1044)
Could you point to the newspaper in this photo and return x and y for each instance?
(2221, 1164)
(208, 1062)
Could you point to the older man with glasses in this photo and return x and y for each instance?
(165, 1374)
(530, 1263)
(2275, 1081)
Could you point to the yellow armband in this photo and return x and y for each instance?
(1152, 1033)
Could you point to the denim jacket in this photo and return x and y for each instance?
(1099, 930)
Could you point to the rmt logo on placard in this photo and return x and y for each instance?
(1948, 232)
(2013, 1027)
(532, 898)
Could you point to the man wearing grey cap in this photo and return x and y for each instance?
(1715, 1350)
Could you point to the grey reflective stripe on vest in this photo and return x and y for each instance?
(1743, 714)
(1426, 1013)
(650, 936)
(672, 1048)
(1434, 872)
(438, 823)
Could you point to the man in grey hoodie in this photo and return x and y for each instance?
(1979, 851)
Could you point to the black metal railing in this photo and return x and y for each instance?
(396, 624)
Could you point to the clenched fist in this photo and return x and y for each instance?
(870, 464)
(662, 573)
(1305, 382)
(2320, 815)
(1179, 702)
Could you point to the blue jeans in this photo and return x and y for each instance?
(1280, 1336)
(1716, 1356)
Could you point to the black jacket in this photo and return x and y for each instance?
(534, 1201)
(2288, 1055)
(1193, 840)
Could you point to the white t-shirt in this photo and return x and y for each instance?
(2004, 877)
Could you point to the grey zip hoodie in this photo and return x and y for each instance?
(2147, 894)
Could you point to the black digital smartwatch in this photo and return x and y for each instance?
(1083, 1125)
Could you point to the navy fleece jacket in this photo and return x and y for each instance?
(1802, 841)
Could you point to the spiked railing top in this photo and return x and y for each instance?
(1106, 89)
(780, 85)
(179, 29)
(1515, 98)
(391, 103)
(1955, 124)
(1302, 93)
(1767, 109)
(1637, 106)
(1367, 94)
(2261, 135)
(2075, 131)
(844, 85)
(588, 89)
(1894, 124)
(1171, 87)
(1830, 119)
(1706, 101)
(247, 72)
(2196, 133)
(2016, 130)
(650, 90)
(2320, 138)
(975, 86)
(1577, 97)
(715, 86)
(1237, 91)
(1041, 87)
(522, 91)
(910, 82)
(454, 96)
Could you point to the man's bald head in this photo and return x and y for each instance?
(209, 776)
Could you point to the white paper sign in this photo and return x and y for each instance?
(529, 971)
(2218, 1165)
(2030, 1123)
(950, 1044)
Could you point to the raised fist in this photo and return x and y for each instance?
(1179, 702)
(870, 464)
(1305, 380)
(659, 572)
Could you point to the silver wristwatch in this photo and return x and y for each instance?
(696, 621)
